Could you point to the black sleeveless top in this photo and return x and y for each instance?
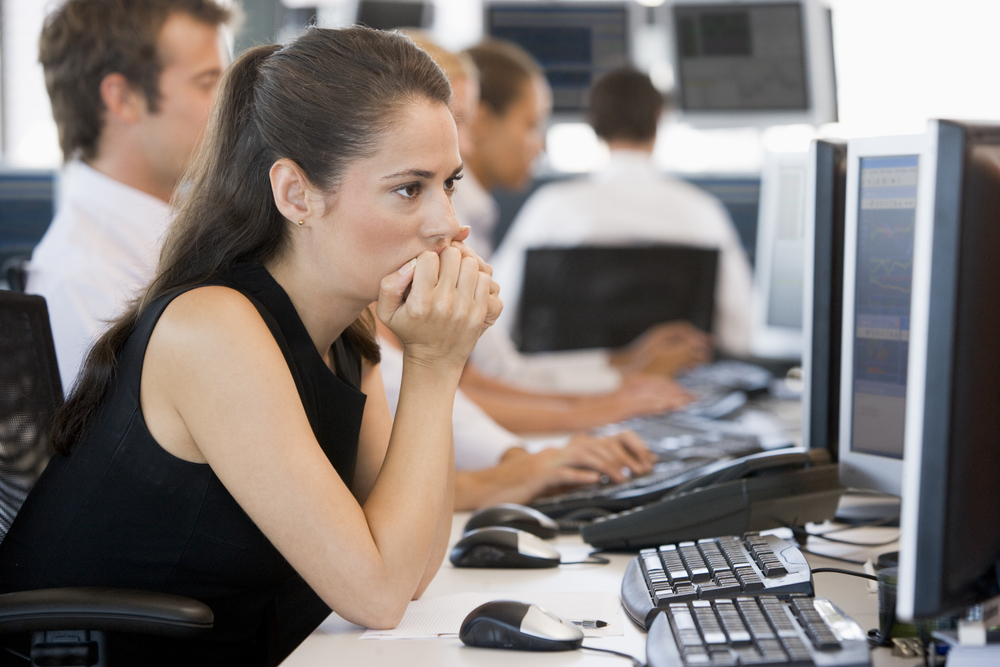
(121, 511)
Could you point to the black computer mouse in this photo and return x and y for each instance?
(514, 516)
(502, 547)
(519, 626)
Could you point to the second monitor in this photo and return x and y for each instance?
(599, 296)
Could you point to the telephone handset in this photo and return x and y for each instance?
(787, 487)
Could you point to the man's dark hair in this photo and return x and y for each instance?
(625, 106)
(504, 69)
(85, 40)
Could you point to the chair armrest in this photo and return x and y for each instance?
(108, 609)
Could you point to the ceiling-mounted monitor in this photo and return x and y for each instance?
(575, 42)
(392, 14)
(740, 63)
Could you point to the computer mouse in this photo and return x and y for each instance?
(519, 626)
(503, 547)
(514, 516)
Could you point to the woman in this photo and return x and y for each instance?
(229, 439)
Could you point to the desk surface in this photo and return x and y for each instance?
(338, 642)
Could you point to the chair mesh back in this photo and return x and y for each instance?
(30, 392)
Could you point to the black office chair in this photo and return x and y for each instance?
(605, 296)
(67, 625)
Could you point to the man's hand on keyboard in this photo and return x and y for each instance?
(521, 477)
(664, 349)
(647, 395)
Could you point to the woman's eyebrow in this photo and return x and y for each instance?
(420, 173)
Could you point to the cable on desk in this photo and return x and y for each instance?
(847, 525)
(17, 654)
(803, 531)
(837, 570)
(635, 661)
(592, 559)
(837, 558)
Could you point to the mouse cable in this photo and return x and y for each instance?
(592, 559)
(17, 654)
(849, 543)
(837, 570)
(851, 525)
(837, 558)
(635, 661)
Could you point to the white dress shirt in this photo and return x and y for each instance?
(476, 208)
(480, 442)
(629, 202)
(99, 252)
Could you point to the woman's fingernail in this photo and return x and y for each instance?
(406, 268)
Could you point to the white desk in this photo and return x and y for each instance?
(337, 641)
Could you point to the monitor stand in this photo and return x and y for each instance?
(859, 507)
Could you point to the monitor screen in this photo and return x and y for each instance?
(574, 42)
(752, 62)
(741, 56)
(950, 528)
(591, 296)
(881, 204)
(391, 14)
(884, 270)
(777, 306)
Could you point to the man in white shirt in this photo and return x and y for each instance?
(630, 203)
(131, 84)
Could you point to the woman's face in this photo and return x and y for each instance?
(507, 144)
(396, 203)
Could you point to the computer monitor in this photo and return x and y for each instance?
(392, 14)
(950, 537)
(752, 62)
(27, 206)
(881, 207)
(574, 42)
(596, 296)
(823, 291)
(776, 309)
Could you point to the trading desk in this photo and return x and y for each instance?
(338, 642)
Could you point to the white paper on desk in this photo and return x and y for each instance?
(442, 616)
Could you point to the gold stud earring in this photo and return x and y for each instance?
(301, 223)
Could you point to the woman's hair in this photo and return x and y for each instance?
(323, 101)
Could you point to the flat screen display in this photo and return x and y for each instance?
(884, 271)
(741, 57)
(574, 43)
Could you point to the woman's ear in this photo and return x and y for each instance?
(293, 193)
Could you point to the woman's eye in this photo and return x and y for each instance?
(409, 191)
(449, 184)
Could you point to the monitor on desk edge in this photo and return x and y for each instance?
(881, 201)
(950, 529)
(823, 279)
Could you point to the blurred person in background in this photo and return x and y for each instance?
(629, 202)
(131, 84)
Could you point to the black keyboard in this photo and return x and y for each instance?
(683, 456)
(718, 567)
(760, 631)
